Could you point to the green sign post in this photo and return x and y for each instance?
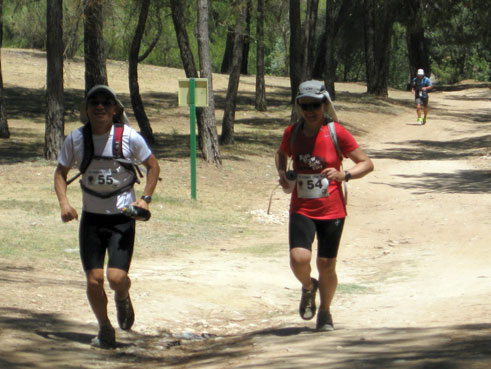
(192, 135)
(193, 92)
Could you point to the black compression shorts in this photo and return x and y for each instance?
(302, 231)
(113, 233)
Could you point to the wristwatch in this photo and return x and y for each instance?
(147, 199)
(347, 175)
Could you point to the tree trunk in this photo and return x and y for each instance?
(308, 39)
(226, 66)
(160, 26)
(261, 104)
(227, 136)
(326, 61)
(415, 37)
(378, 32)
(330, 59)
(183, 39)
(136, 100)
(55, 122)
(95, 58)
(208, 135)
(247, 40)
(295, 48)
(4, 127)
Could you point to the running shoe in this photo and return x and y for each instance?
(324, 321)
(424, 120)
(307, 302)
(106, 337)
(126, 314)
(420, 121)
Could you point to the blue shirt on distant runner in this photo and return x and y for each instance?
(418, 84)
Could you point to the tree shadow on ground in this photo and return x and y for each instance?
(361, 101)
(436, 150)
(46, 340)
(462, 181)
(440, 111)
(465, 346)
(247, 100)
(460, 87)
(177, 146)
(30, 103)
(13, 151)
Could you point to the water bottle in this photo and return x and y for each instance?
(136, 212)
(291, 176)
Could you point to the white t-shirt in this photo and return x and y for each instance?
(134, 148)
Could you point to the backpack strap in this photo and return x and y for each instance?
(296, 128)
(334, 138)
(88, 152)
(88, 147)
(118, 140)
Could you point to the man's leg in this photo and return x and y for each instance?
(418, 111)
(121, 283)
(96, 295)
(425, 113)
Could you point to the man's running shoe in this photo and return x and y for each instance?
(424, 120)
(106, 337)
(307, 302)
(324, 321)
(126, 314)
(420, 121)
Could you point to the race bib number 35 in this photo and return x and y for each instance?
(312, 186)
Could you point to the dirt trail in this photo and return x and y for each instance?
(414, 271)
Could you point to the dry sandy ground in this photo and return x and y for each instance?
(415, 263)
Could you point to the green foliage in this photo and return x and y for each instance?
(25, 24)
(458, 42)
(458, 34)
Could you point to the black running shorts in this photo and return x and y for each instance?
(113, 233)
(421, 101)
(302, 231)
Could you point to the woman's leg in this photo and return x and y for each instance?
(328, 281)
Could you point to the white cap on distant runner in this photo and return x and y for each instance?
(421, 72)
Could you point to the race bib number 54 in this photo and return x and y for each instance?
(312, 186)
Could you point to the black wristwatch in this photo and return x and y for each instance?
(147, 199)
(347, 175)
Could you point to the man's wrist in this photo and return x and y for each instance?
(147, 198)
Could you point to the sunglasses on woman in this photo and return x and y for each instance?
(310, 106)
(105, 103)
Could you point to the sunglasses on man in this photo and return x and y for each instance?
(105, 103)
(311, 106)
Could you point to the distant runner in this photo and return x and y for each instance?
(317, 205)
(420, 87)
